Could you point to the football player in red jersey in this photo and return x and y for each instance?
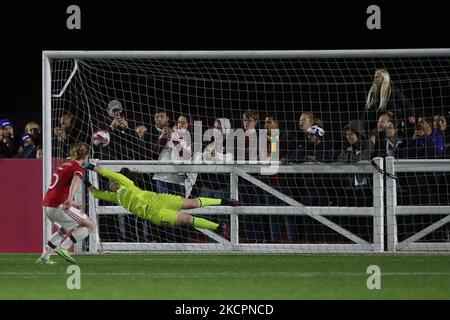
(60, 207)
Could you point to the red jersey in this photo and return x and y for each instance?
(59, 188)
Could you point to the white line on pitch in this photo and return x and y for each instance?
(238, 274)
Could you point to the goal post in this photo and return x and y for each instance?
(308, 205)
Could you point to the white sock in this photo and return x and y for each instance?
(78, 234)
(54, 240)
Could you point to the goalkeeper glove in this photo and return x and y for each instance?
(86, 181)
(88, 166)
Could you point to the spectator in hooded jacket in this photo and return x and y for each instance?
(9, 143)
(357, 147)
(357, 189)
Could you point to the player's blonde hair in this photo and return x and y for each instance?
(384, 91)
(79, 150)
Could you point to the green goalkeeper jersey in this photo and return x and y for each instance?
(159, 208)
(132, 198)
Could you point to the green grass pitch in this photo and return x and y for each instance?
(227, 276)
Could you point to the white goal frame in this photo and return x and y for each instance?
(318, 213)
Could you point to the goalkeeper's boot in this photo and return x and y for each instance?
(40, 260)
(224, 231)
(64, 253)
(230, 202)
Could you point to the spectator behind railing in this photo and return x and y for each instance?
(299, 147)
(63, 135)
(322, 150)
(441, 124)
(385, 97)
(316, 190)
(427, 142)
(30, 141)
(164, 148)
(357, 147)
(357, 189)
(169, 145)
(125, 143)
(410, 125)
(160, 133)
(278, 182)
(216, 186)
(34, 130)
(423, 187)
(249, 194)
(9, 143)
(182, 143)
(28, 148)
(378, 135)
(395, 142)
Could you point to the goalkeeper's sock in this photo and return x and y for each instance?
(54, 240)
(205, 202)
(78, 234)
(204, 224)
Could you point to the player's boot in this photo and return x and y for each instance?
(231, 202)
(64, 253)
(224, 231)
(40, 260)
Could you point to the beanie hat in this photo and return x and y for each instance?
(24, 137)
(5, 122)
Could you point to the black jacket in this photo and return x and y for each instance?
(9, 149)
(400, 107)
(124, 145)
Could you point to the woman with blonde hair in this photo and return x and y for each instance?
(384, 97)
(380, 91)
(34, 130)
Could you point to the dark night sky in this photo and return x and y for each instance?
(167, 25)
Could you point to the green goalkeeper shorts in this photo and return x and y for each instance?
(165, 217)
(165, 209)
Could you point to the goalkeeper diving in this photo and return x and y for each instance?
(159, 208)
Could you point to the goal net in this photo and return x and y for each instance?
(300, 138)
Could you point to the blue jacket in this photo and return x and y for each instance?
(427, 147)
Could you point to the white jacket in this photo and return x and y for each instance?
(171, 152)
